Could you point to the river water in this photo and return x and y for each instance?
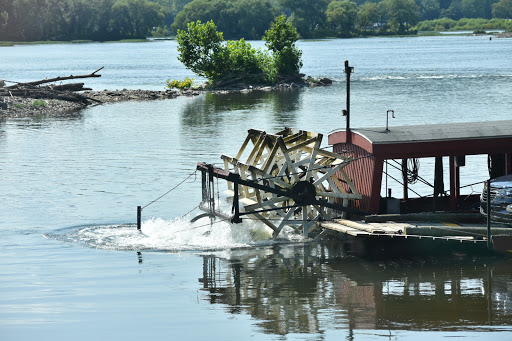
(73, 266)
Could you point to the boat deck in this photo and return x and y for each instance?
(417, 236)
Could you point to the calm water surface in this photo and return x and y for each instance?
(74, 268)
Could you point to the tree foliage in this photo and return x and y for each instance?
(429, 9)
(464, 24)
(502, 9)
(401, 14)
(236, 19)
(369, 16)
(308, 16)
(342, 16)
(281, 39)
(33, 20)
(202, 49)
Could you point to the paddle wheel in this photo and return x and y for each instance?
(282, 179)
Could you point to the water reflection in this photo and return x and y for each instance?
(42, 121)
(314, 288)
(211, 109)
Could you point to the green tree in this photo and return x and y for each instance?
(342, 15)
(473, 8)
(247, 24)
(306, 15)
(136, 18)
(23, 24)
(200, 50)
(402, 14)
(30, 20)
(173, 7)
(101, 27)
(429, 9)
(502, 9)
(444, 4)
(454, 11)
(369, 16)
(197, 10)
(246, 63)
(280, 39)
(236, 18)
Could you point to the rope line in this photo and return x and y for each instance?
(209, 224)
(186, 214)
(417, 177)
(169, 191)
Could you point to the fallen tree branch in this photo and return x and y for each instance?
(51, 80)
(48, 92)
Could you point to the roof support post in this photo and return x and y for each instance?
(438, 181)
(404, 179)
(454, 183)
(376, 184)
(508, 163)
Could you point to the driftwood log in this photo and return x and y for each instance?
(66, 92)
(56, 79)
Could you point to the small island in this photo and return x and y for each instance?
(228, 66)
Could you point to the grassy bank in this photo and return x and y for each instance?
(464, 24)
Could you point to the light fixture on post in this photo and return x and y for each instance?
(387, 118)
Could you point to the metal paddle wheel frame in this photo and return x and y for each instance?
(286, 180)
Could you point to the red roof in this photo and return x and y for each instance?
(492, 137)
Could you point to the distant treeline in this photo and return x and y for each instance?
(33, 20)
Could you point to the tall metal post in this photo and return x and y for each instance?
(204, 191)
(348, 71)
(236, 208)
(139, 217)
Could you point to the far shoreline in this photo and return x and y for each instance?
(498, 33)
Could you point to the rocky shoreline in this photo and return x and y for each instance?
(21, 107)
(26, 107)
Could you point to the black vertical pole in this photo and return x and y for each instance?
(139, 215)
(211, 186)
(236, 209)
(348, 71)
(204, 191)
(404, 179)
(488, 189)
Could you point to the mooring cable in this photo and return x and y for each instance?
(183, 216)
(421, 179)
(169, 191)
(196, 227)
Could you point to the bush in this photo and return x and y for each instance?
(281, 39)
(202, 49)
(242, 58)
(464, 24)
(184, 84)
(38, 103)
(161, 32)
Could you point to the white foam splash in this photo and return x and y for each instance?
(176, 235)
